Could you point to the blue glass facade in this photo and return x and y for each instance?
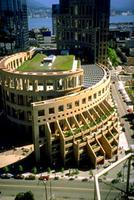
(13, 26)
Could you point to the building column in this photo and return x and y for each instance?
(44, 85)
(35, 85)
(36, 135)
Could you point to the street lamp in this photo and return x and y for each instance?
(45, 183)
(50, 189)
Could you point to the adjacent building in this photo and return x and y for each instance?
(42, 38)
(82, 28)
(13, 26)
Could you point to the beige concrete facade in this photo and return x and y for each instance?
(69, 122)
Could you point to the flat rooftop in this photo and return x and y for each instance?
(39, 63)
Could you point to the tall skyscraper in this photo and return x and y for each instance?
(82, 28)
(13, 26)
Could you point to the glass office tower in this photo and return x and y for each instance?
(82, 28)
(13, 26)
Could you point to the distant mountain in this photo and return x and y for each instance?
(115, 4)
(41, 3)
(49, 3)
(34, 4)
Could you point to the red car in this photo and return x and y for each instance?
(46, 178)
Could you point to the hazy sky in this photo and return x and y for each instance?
(114, 3)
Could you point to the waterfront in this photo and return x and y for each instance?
(121, 19)
(47, 22)
(39, 23)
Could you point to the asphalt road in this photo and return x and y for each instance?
(60, 189)
(122, 111)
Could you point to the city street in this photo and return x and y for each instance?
(122, 110)
(60, 189)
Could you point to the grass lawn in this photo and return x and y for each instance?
(61, 63)
(33, 64)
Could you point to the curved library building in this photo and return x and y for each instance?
(67, 108)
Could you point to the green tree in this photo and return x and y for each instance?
(70, 172)
(76, 171)
(20, 168)
(34, 170)
(62, 171)
(119, 175)
(6, 169)
(48, 170)
(90, 173)
(105, 176)
(29, 196)
(113, 57)
(25, 196)
(19, 196)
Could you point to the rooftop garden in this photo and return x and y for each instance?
(36, 64)
(63, 63)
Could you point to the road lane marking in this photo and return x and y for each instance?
(56, 188)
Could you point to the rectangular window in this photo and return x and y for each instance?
(99, 93)
(69, 105)
(95, 96)
(84, 101)
(42, 131)
(61, 108)
(77, 103)
(51, 110)
(41, 112)
(89, 98)
(29, 116)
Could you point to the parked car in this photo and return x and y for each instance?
(56, 178)
(43, 177)
(30, 177)
(19, 176)
(115, 181)
(106, 165)
(72, 178)
(6, 176)
(85, 179)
